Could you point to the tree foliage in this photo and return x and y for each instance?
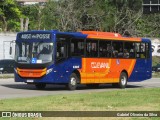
(122, 16)
(9, 14)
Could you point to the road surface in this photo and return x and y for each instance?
(10, 89)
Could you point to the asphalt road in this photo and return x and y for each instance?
(10, 89)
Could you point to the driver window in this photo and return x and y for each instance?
(61, 50)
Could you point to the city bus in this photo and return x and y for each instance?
(86, 57)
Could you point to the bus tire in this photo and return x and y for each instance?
(40, 86)
(72, 85)
(123, 80)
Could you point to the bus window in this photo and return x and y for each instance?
(137, 50)
(140, 50)
(105, 49)
(92, 48)
(147, 51)
(61, 50)
(129, 51)
(77, 47)
(117, 49)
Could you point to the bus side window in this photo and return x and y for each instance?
(77, 47)
(129, 50)
(117, 49)
(61, 50)
(147, 50)
(140, 50)
(92, 48)
(105, 49)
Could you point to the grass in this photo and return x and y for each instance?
(156, 75)
(4, 76)
(155, 60)
(143, 99)
(137, 99)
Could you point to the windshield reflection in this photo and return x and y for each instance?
(34, 53)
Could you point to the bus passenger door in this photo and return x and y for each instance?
(61, 61)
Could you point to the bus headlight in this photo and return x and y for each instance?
(15, 70)
(1, 68)
(49, 70)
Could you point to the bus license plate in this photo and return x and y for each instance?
(29, 80)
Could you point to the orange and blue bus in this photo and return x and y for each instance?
(87, 57)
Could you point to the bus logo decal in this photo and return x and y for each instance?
(117, 61)
(99, 65)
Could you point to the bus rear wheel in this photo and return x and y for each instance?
(40, 86)
(122, 81)
(72, 85)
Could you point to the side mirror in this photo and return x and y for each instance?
(10, 50)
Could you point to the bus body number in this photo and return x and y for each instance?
(99, 65)
(76, 66)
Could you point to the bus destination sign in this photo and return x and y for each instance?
(41, 36)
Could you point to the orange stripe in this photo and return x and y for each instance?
(105, 75)
(101, 33)
(131, 67)
(108, 36)
(113, 38)
(108, 80)
(31, 73)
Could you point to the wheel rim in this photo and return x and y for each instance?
(123, 80)
(73, 81)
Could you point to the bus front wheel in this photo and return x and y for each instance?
(72, 85)
(40, 86)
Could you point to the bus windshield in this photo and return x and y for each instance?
(34, 52)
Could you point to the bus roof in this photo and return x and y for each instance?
(108, 35)
(91, 35)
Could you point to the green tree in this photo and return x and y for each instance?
(122, 16)
(73, 15)
(148, 25)
(50, 19)
(9, 15)
(34, 14)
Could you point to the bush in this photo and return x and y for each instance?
(155, 60)
(13, 25)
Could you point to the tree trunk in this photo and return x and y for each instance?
(26, 24)
(5, 23)
(22, 26)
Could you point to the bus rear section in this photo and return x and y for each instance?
(90, 58)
